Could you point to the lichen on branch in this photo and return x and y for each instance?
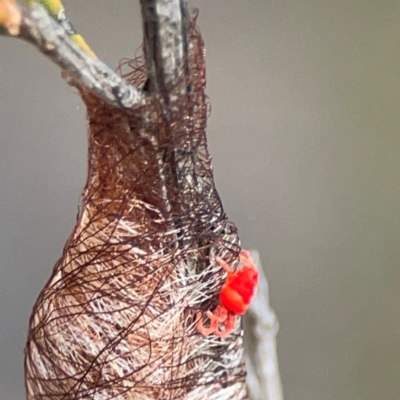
(33, 24)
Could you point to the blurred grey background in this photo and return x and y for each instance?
(304, 134)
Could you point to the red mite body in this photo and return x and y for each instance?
(235, 297)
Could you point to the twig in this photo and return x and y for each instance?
(34, 25)
(165, 28)
(261, 327)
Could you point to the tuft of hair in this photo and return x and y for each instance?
(116, 319)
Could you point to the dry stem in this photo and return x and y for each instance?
(261, 327)
(34, 25)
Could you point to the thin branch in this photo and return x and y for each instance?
(34, 25)
(165, 28)
(261, 327)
